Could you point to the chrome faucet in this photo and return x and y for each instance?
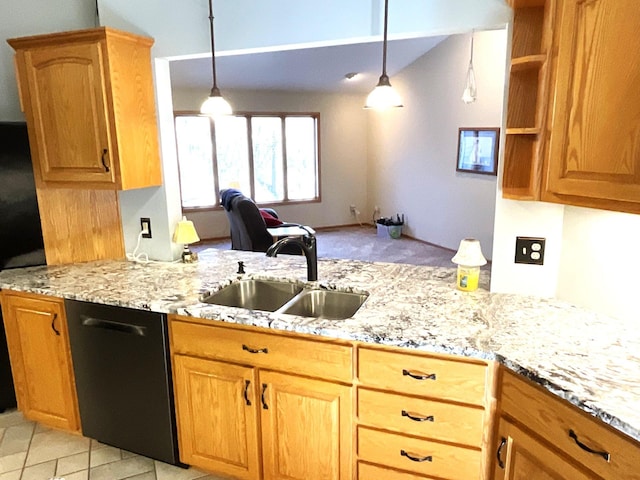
(309, 248)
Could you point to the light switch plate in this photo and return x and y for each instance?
(530, 250)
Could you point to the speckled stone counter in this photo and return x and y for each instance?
(588, 359)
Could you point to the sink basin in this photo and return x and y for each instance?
(253, 294)
(329, 304)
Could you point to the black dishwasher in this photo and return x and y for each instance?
(123, 378)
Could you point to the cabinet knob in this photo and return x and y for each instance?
(602, 453)
(104, 160)
(53, 324)
(419, 376)
(413, 458)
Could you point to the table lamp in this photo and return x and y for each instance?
(186, 234)
(469, 259)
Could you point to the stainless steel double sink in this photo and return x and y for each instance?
(290, 298)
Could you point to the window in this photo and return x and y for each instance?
(273, 158)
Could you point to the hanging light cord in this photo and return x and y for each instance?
(214, 89)
(471, 57)
(384, 41)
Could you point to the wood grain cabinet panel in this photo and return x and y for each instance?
(38, 342)
(558, 422)
(217, 416)
(90, 106)
(521, 456)
(595, 135)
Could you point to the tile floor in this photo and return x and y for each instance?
(29, 451)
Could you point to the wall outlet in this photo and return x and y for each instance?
(376, 211)
(530, 250)
(352, 210)
(145, 226)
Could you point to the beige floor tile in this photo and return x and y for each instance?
(144, 476)
(104, 454)
(10, 419)
(16, 439)
(83, 475)
(15, 475)
(72, 463)
(12, 462)
(122, 469)
(165, 471)
(126, 454)
(42, 471)
(54, 444)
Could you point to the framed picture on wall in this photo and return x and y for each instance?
(478, 150)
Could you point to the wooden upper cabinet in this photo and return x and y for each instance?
(90, 107)
(594, 155)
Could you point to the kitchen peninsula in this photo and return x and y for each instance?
(587, 359)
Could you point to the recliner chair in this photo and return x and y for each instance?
(248, 228)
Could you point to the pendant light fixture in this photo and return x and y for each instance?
(384, 96)
(470, 90)
(215, 105)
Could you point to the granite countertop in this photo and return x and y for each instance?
(590, 360)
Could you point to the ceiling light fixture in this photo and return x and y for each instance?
(470, 90)
(384, 96)
(215, 105)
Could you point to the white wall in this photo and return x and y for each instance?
(19, 18)
(414, 149)
(343, 152)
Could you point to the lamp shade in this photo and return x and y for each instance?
(383, 96)
(215, 106)
(469, 253)
(185, 232)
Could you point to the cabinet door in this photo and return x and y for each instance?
(216, 409)
(306, 428)
(67, 112)
(40, 360)
(520, 456)
(595, 136)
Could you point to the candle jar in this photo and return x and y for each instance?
(467, 279)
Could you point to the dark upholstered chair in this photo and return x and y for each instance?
(248, 227)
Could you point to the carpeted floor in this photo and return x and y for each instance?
(363, 243)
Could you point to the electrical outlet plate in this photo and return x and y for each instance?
(530, 250)
(145, 225)
(352, 209)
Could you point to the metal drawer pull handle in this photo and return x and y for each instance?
(264, 402)
(503, 442)
(247, 383)
(53, 324)
(104, 163)
(605, 455)
(417, 376)
(254, 350)
(428, 458)
(116, 326)
(428, 418)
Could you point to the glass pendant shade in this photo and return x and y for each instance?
(215, 105)
(383, 96)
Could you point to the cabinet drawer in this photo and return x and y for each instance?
(554, 419)
(418, 456)
(422, 375)
(425, 418)
(297, 355)
(373, 472)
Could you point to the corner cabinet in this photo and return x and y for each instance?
(573, 109)
(542, 437)
(89, 102)
(257, 405)
(38, 343)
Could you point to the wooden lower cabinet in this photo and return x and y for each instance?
(217, 416)
(253, 422)
(520, 456)
(38, 343)
(306, 428)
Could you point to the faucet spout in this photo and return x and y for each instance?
(309, 248)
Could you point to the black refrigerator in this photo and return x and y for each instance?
(21, 242)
